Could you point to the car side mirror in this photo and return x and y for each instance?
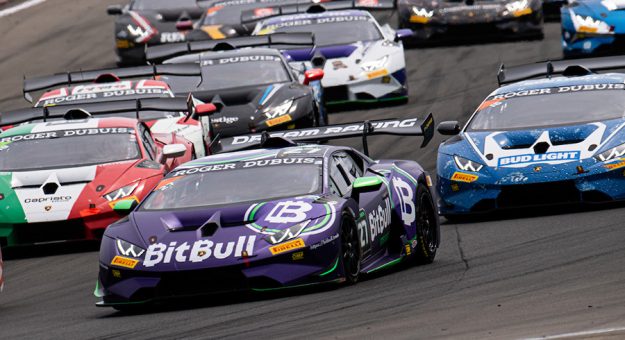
(366, 184)
(203, 110)
(173, 151)
(449, 128)
(114, 10)
(403, 33)
(124, 207)
(313, 75)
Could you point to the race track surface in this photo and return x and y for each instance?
(550, 273)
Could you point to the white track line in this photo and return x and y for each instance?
(604, 331)
(20, 7)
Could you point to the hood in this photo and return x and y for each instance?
(611, 12)
(221, 236)
(464, 12)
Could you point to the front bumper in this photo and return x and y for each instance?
(382, 88)
(576, 45)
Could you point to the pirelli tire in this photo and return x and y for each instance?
(428, 227)
(350, 254)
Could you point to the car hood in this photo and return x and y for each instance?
(610, 11)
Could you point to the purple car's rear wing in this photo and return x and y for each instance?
(396, 127)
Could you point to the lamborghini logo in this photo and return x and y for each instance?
(48, 207)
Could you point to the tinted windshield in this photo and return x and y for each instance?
(162, 4)
(354, 28)
(236, 185)
(226, 73)
(555, 106)
(49, 150)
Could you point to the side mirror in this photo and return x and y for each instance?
(174, 151)
(313, 75)
(184, 25)
(366, 184)
(449, 128)
(114, 10)
(202, 110)
(403, 33)
(124, 207)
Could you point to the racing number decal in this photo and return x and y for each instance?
(288, 212)
(363, 232)
(406, 200)
(374, 225)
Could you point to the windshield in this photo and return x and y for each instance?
(162, 4)
(235, 184)
(226, 73)
(554, 106)
(356, 28)
(49, 150)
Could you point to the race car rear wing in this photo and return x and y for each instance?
(253, 15)
(570, 67)
(86, 110)
(71, 78)
(395, 127)
(279, 41)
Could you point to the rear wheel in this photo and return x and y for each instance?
(350, 249)
(428, 227)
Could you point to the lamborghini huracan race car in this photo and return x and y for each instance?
(60, 179)
(450, 19)
(558, 139)
(362, 61)
(1, 272)
(108, 85)
(593, 28)
(318, 214)
(254, 89)
(150, 22)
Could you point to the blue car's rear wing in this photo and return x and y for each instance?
(570, 67)
(396, 127)
(106, 75)
(253, 15)
(279, 41)
(86, 110)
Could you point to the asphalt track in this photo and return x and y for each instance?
(553, 272)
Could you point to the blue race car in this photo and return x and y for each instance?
(593, 28)
(532, 142)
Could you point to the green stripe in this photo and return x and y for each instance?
(336, 264)
(386, 265)
(18, 130)
(414, 181)
(322, 223)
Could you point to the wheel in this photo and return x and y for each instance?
(428, 227)
(350, 249)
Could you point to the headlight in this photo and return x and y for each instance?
(589, 25)
(288, 233)
(611, 154)
(518, 8)
(374, 65)
(128, 249)
(121, 192)
(420, 15)
(467, 165)
(287, 106)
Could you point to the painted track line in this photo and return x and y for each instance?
(582, 334)
(17, 8)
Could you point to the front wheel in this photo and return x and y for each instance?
(428, 227)
(350, 249)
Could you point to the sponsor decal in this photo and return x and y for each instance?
(406, 200)
(125, 262)
(66, 133)
(199, 251)
(375, 224)
(462, 177)
(377, 73)
(226, 120)
(244, 164)
(535, 158)
(98, 88)
(172, 37)
(107, 94)
(240, 59)
(288, 212)
(615, 165)
(287, 246)
(53, 199)
(561, 89)
(337, 64)
(279, 120)
(324, 241)
(297, 256)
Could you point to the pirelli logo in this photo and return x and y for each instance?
(125, 262)
(462, 177)
(279, 120)
(287, 246)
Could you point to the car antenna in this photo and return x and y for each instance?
(69, 78)
(154, 71)
(138, 107)
(367, 129)
(46, 113)
(549, 69)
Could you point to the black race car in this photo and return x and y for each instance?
(150, 22)
(254, 89)
(472, 19)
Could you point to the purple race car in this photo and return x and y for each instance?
(285, 215)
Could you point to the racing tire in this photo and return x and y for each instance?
(428, 227)
(350, 249)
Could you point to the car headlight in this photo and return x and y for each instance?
(588, 24)
(421, 15)
(518, 8)
(128, 249)
(611, 154)
(467, 164)
(375, 64)
(288, 233)
(287, 106)
(121, 192)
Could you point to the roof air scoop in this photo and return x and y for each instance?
(74, 114)
(211, 225)
(469, 2)
(224, 46)
(316, 9)
(541, 147)
(576, 71)
(106, 78)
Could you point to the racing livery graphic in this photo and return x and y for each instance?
(54, 195)
(320, 214)
(540, 141)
